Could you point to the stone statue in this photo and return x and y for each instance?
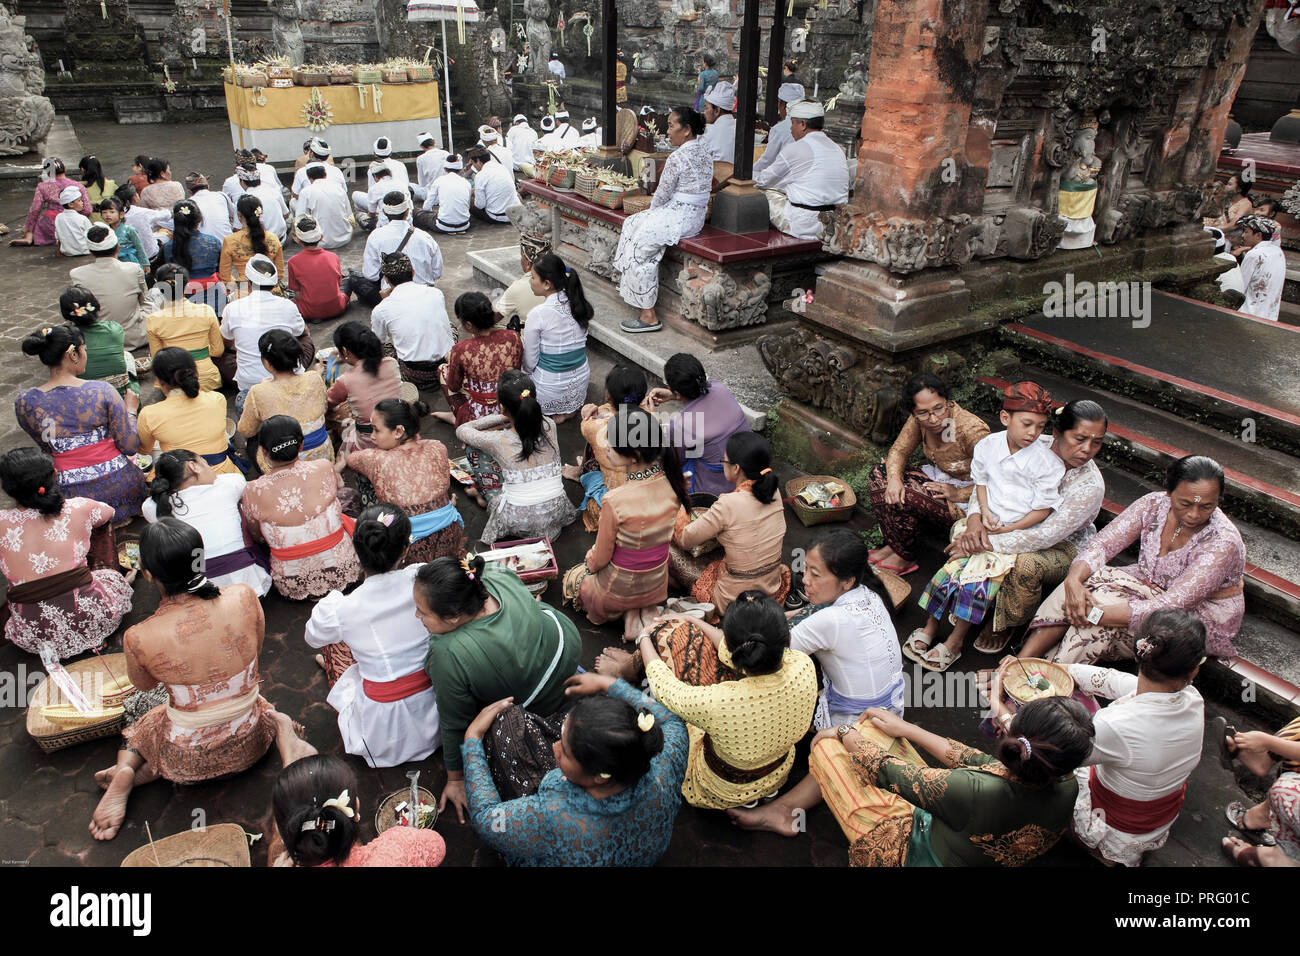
(1078, 192)
(286, 29)
(854, 86)
(25, 115)
(539, 36)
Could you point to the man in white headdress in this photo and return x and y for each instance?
(428, 166)
(490, 140)
(245, 320)
(494, 186)
(556, 67)
(778, 137)
(546, 141)
(720, 134)
(591, 133)
(564, 135)
(400, 235)
(321, 155)
(384, 154)
(1263, 268)
(811, 176)
(124, 295)
(520, 141)
(328, 204)
(450, 194)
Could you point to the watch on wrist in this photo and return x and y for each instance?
(841, 730)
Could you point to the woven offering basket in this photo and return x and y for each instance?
(585, 183)
(561, 178)
(251, 79)
(386, 816)
(1016, 685)
(395, 75)
(310, 77)
(220, 845)
(814, 516)
(635, 204)
(611, 197)
(94, 681)
(367, 75)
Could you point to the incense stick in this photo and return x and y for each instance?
(149, 834)
(109, 669)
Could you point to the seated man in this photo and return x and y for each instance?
(520, 141)
(1263, 268)
(720, 135)
(428, 166)
(494, 186)
(321, 156)
(811, 176)
(450, 193)
(400, 235)
(413, 319)
(779, 136)
(518, 299)
(370, 204)
(327, 202)
(124, 296)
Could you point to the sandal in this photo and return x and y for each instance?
(989, 641)
(946, 659)
(911, 650)
(899, 571)
(1236, 814)
(1217, 728)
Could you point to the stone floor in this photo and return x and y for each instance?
(46, 799)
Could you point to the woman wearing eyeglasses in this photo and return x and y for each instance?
(903, 498)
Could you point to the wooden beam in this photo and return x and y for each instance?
(775, 60)
(750, 38)
(609, 95)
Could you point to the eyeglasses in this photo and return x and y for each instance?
(726, 462)
(932, 412)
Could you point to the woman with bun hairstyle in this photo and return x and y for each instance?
(300, 396)
(612, 795)
(318, 817)
(373, 649)
(247, 241)
(202, 647)
(489, 641)
(59, 562)
(625, 573)
(187, 417)
(746, 697)
(709, 417)
(186, 487)
(1190, 556)
(371, 378)
(531, 502)
(295, 509)
(189, 324)
(980, 811)
(749, 523)
(555, 338)
(414, 475)
(625, 385)
(87, 427)
(107, 358)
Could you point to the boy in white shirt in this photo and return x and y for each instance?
(1017, 484)
(70, 225)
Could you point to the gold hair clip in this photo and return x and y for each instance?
(525, 393)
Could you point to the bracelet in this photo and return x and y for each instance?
(842, 730)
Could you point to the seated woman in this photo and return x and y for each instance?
(192, 326)
(245, 242)
(85, 426)
(413, 475)
(1148, 741)
(371, 378)
(187, 417)
(555, 338)
(1192, 557)
(1273, 825)
(626, 571)
(488, 641)
(749, 523)
(625, 385)
(317, 815)
(521, 442)
(1238, 204)
(710, 416)
(107, 358)
(286, 392)
(475, 364)
(373, 649)
(197, 253)
(295, 509)
(611, 796)
(903, 498)
(981, 811)
(202, 646)
(161, 192)
(59, 562)
(186, 487)
(98, 186)
(746, 697)
(38, 230)
(677, 212)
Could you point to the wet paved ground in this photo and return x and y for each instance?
(46, 799)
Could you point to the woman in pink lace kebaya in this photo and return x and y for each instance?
(1192, 557)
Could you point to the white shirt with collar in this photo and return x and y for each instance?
(425, 256)
(414, 318)
(564, 136)
(502, 155)
(275, 211)
(520, 139)
(811, 172)
(332, 174)
(233, 188)
(429, 166)
(382, 189)
(450, 194)
(329, 205)
(494, 190)
(269, 175)
(400, 175)
(1016, 484)
(246, 320)
(218, 211)
(143, 220)
(556, 67)
(778, 137)
(720, 137)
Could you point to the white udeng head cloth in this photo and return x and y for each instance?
(308, 229)
(790, 92)
(383, 147)
(589, 124)
(454, 162)
(396, 209)
(520, 118)
(319, 147)
(548, 123)
(424, 139)
(101, 243)
(805, 109)
(723, 96)
(260, 270)
(69, 194)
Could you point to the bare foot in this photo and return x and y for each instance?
(876, 555)
(447, 417)
(320, 661)
(1257, 763)
(110, 813)
(289, 739)
(105, 777)
(1242, 853)
(773, 817)
(572, 472)
(616, 662)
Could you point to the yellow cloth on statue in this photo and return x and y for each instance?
(1077, 205)
(283, 109)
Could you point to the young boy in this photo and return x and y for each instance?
(1017, 485)
(314, 274)
(70, 225)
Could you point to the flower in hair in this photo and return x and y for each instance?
(341, 804)
(45, 332)
(645, 722)
(466, 565)
(387, 519)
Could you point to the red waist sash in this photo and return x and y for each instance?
(1134, 816)
(642, 559)
(308, 548)
(385, 692)
(87, 455)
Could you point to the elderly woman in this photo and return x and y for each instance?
(903, 498)
(707, 420)
(1043, 552)
(38, 230)
(677, 212)
(1191, 557)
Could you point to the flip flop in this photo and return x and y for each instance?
(986, 648)
(910, 649)
(946, 659)
(1217, 727)
(1236, 814)
(905, 571)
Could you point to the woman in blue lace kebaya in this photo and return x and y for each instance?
(613, 797)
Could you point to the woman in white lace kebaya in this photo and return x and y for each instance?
(677, 212)
(555, 338)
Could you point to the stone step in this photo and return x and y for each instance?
(741, 367)
(1263, 484)
(1232, 371)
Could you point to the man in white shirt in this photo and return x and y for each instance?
(778, 137)
(373, 201)
(1263, 268)
(451, 194)
(124, 296)
(328, 204)
(320, 156)
(811, 176)
(412, 317)
(219, 216)
(563, 136)
(231, 187)
(491, 141)
(591, 133)
(275, 211)
(556, 67)
(268, 173)
(384, 154)
(494, 187)
(400, 235)
(246, 320)
(143, 221)
(428, 166)
(520, 140)
(720, 134)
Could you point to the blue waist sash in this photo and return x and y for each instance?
(593, 486)
(217, 458)
(562, 361)
(691, 462)
(314, 439)
(891, 699)
(431, 522)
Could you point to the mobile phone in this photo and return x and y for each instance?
(1094, 614)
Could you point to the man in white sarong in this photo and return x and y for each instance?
(720, 135)
(1263, 268)
(811, 176)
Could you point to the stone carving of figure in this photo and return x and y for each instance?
(25, 115)
(286, 30)
(854, 86)
(539, 36)
(1078, 193)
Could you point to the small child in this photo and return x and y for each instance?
(129, 246)
(142, 221)
(70, 225)
(1017, 485)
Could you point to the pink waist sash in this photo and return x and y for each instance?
(643, 559)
